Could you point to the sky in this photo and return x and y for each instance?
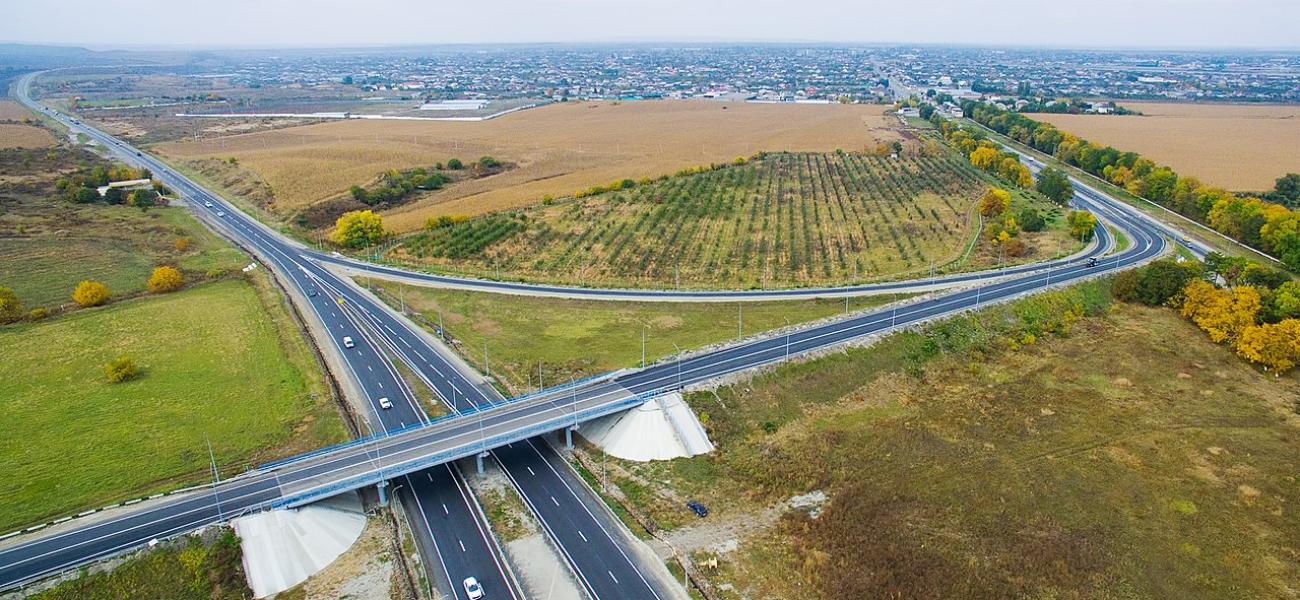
(291, 23)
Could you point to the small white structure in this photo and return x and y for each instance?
(455, 105)
(282, 548)
(130, 184)
(663, 428)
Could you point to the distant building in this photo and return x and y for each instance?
(908, 111)
(126, 186)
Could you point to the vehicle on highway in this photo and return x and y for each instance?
(207, 204)
(312, 292)
(472, 588)
(699, 509)
(348, 343)
(1092, 262)
(385, 403)
(221, 213)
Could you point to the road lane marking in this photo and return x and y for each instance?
(530, 471)
(557, 502)
(462, 546)
(444, 504)
(611, 576)
(584, 538)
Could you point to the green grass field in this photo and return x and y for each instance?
(191, 568)
(1121, 455)
(782, 220)
(51, 246)
(578, 338)
(220, 362)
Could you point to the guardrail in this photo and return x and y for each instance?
(450, 454)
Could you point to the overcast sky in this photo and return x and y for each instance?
(277, 23)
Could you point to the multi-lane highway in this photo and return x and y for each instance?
(488, 421)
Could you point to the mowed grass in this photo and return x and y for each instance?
(1241, 147)
(220, 362)
(578, 338)
(1126, 458)
(780, 220)
(559, 149)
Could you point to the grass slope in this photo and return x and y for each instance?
(215, 366)
(577, 338)
(1123, 456)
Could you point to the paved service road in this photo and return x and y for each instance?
(491, 422)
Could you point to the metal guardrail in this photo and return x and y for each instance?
(386, 473)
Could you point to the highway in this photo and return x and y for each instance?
(436, 499)
(487, 422)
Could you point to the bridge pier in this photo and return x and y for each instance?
(383, 493)
(568, 437)
(479, 459)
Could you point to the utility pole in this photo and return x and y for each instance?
(740, 320)
(216, 478)
(487, 368)
(787, 337)
(643, 346)
(679, 364)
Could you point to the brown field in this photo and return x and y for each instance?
(13, 111)
(559, 149)
(1237, 146)
(24, 136)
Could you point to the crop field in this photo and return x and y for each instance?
(220, 362)
(14, 135)
(1123, 456)
(13, 111)
(559, 149)
(1237, 146)
(785, 219)
(579, 338)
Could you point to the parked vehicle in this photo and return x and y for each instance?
(700, 510)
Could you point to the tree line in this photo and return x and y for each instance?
(82, 187)
(1266, 225)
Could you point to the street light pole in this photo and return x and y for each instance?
(787, 337)
(643, 328)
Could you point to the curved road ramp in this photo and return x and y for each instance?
(282, 548)
(663, 428)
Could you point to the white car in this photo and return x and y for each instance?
(207, 204)
(221, 213)
(473, 589)
(348, 343)
(385, 404)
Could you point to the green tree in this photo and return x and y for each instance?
(455, 164)
(1082, 223)
(358, 229)
(487, 162)
(359, 194)
(1156, 283)
(1286, 190)
(143, 198)
(10, 309)
(1030, 220)
(1055, 184)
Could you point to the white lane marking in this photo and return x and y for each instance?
(584, 538)
(611, 576)
(462, 546)
(556, 502)
(430, 475)
(381, 384)
(408, 344)
(444, 504)
(370, 368)
(530, 471)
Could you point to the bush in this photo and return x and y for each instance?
(455, 164)
(358, 228)
(487, 162)
(10, 309)
(184, 243)
(165, 279)
(38, 313)
(1155, 284)
(120, 369)
(90, 293)
(1030, 220)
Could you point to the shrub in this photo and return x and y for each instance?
(1030, 220)
(120, 369)
(455, 164)
(1156, 283)
(995, 202)
(38, 313)
(90, 293)
(10, 309)
(184, 243)
(487, 162)
(165, 279)
(358, 228)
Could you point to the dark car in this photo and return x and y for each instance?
(700, 510)
(1092, 262)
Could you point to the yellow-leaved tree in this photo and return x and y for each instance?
(994, 202)
(90, 293)
(165, 279)
(1222, 314)
(1274, 345)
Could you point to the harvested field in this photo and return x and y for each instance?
(560, 149)
(785, 219)
(13, 135)
(13, 111)
(1241, 147)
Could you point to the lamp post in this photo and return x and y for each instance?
(787, 337)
